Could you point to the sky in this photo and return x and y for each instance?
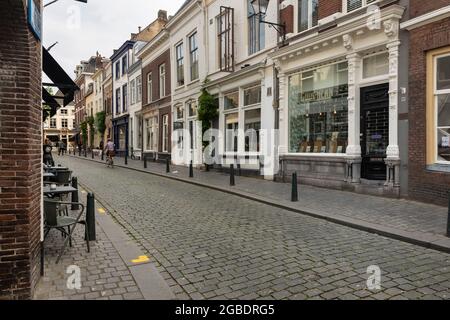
(100, 25)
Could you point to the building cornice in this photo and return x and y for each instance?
(152, 45)
(339, 34)
(426, 18)
(228, 78)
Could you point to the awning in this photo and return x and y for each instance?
(59, 77)
(51, 104)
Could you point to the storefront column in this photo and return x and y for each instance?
(393, 150)
(354, 142)
(283, 111)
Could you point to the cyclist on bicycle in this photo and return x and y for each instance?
(110, 150)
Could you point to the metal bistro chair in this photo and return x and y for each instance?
(55, 221)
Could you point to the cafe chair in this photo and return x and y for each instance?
(66, 224)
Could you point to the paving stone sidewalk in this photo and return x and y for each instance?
(414, 222)
(107, 272)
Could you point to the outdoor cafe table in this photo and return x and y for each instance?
(56, 169)
(59, 190)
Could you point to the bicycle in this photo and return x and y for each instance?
(109, 161)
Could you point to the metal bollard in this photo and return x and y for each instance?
(239, 169)
(206, 167)
(232, 182)
(93, 156)
(85, 153)
(294, 196)
(126, 159)
(145, 162)
(448, 219)
(75, 194)
(191, 170)
(90, 216)
(103, 156)
(79, 152)
(167, 165)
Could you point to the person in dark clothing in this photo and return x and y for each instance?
(48, 157)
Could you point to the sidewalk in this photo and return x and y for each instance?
(115, 269)
(418, 223)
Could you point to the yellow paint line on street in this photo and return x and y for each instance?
(141, 259)
(101, 211)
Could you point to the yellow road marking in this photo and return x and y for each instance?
(141, 259)
(101, 210)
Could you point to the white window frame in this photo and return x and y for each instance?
(180, 45)
(191, 52)
(364, 4)
(438, 93)
(162, 80)
(139, 89)
(133, 91)
(149, 87)
(310, 16)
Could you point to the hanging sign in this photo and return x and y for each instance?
(35, 19)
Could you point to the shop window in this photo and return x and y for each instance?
(151, 125)
(318, 110)
(231, 135)
(252, 96)
(192, 107)
(252, 121)
(231, 100)
(376, 65)
(165, 140)
(442, 107)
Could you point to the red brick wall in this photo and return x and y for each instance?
(20, 153)
(287, 17)
(329, 7)
(424, 185)
(153, 67)
(420, 7)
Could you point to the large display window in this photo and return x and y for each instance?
(318, 110)
(442, 107)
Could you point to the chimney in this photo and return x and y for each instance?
(140, 28)
(162, 15)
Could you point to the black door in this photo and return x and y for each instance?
(374, 131)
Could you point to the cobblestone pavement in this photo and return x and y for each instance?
(214, 245)
(400, 214)
(104, 275)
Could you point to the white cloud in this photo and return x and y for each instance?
(100, 25)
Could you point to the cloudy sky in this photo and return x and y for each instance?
(100, 25)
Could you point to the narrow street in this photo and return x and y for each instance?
(212, 245)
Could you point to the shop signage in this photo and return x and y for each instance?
(324, 94)
(35, 19)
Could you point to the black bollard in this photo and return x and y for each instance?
(103, 156)
(232, 182)
(239, 169)
(145, 162)
(126, 159)
(448, 219)
(85, 153)
(79, 152)
(90, 216)
(207, 167)
(75, 194)
(92, 153)
(191, 170)
(294, 196)
(167, 165)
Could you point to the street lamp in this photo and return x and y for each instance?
(260, 10)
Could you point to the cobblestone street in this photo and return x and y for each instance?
(212, 245)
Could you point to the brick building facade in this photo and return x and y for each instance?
(429, 38)
(20, 152)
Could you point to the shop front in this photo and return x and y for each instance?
(120, 130)
(339, 108)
